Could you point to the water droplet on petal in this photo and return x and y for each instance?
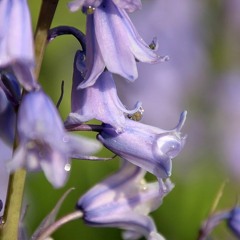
(143, 185)
(169, 145)
(67, 167)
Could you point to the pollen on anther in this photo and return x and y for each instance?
(90, 10)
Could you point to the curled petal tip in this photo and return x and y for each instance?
(181, 122)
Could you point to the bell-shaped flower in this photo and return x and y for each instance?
(124, 200)
(148, 147)
(16, 41)
(43, 141)
(232, 218)
(113, 42)
(99, 101)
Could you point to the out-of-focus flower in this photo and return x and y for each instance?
(43, 141)
(227, 105)
(232, 218)
(124, 200)
(211, 222)
(16, 41)
(233, 221)
(113, 42)
(148, 147)
(99, 101)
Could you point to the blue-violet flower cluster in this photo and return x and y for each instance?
(30, 119)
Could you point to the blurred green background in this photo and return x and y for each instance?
(197, 181)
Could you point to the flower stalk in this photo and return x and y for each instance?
(44, 22)
(67, 218)
(9, 229)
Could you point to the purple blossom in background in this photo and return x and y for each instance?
(233, 221)
(113, 42)
(148, 147)
(124, 200)
(99, 101)
(232, 218)
(16, 41)
(175, 83)
(227, 105)
(43, 142)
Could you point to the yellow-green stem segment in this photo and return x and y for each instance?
(44, 22)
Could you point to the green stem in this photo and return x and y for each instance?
(9, 230)
(13, 207)
(44, 22)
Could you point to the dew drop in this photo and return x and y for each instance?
(67, 167)
(143, 185)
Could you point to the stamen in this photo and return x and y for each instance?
(137, 116)
(90, 10)
(154, 44)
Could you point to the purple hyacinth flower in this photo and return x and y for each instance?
(16, 41)
(113, 42)
(148, 147)
(232, 218)
(124, 200)
(233, 221)
(43, 141)
(99, 101)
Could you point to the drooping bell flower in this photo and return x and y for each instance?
(124, 200)
(231, 217)
(99, 101)
(112, 40)
(148, 147)
(233, 221)
(43, 141)
(16, 41)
